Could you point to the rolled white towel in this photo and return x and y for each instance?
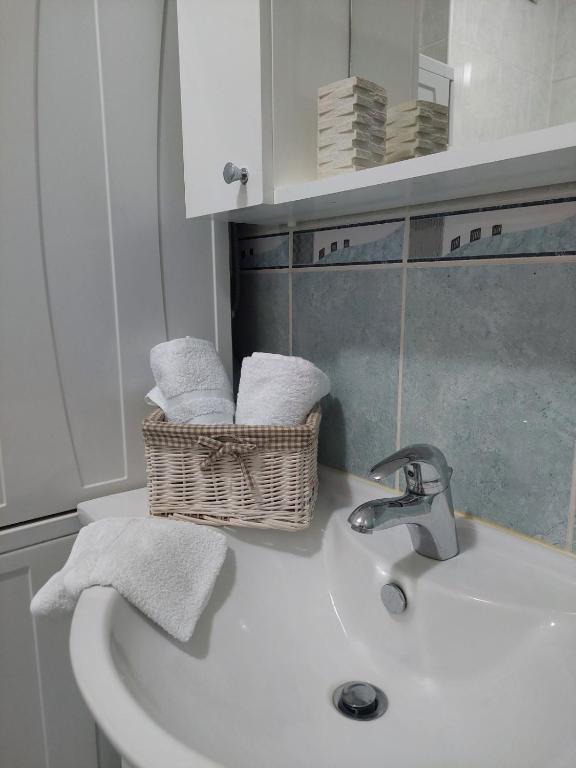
(207, 410)
(192, 385)
(278, 390)
(165, 568)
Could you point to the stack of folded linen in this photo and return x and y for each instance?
(415, 129)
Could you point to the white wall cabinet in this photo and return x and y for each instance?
(225, 74)
(44, 722)
(250, 71)
(243, 62)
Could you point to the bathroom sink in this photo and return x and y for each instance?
(479, 671)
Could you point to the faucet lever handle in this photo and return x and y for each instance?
(425, 467)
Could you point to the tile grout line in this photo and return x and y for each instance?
(561, 79)
(572, 506)
(536, 258)
(290, 254)
(405, 252)
(351, 266)
(483, 521)
(553, 59)
(516, 199)
(441, 263)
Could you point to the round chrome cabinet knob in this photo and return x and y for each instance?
(393, 598)
(233, 173)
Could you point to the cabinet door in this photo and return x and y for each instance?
(225, 84)
(43, 719)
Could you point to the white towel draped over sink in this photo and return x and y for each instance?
(165, 568)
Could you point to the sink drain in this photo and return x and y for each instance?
(360, 701)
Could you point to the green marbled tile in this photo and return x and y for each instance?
(348, 323)
(490, 377)
(261, 321)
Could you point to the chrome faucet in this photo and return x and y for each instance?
(426, 507)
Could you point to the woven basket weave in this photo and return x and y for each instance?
(232, 474)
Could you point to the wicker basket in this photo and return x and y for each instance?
(228, 474)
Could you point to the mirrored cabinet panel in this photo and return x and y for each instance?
(501, 67)
(514, 63)
(339, 68)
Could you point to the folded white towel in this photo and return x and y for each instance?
(194, 408)
(278, 390)
(192, 385)
(165, 568)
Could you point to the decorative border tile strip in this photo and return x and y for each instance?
(371, 242)
(518, 230)
(263, 251)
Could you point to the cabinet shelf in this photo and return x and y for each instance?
(529, 160)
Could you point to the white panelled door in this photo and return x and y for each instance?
(97, 260)
(44, 722)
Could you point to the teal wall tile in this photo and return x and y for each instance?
(489, 349)
(490, 377)
(348, 323)
(262, 317)
(547, 228)
(367, 243)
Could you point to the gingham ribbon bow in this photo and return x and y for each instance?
(224, 448)
(235, 448)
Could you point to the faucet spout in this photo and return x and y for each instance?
(426, 507)
(387, 513)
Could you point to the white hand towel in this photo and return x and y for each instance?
(278, 390)
(165, 568)
(192, 385)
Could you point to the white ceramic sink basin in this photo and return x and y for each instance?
(480, 671)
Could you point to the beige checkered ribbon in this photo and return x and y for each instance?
(157, 431)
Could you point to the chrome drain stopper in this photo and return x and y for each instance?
(360, 701)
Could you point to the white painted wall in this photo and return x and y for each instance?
(435, 28)
(563, 96)
(503, 55)
(385, 45)
(310, 49)
(97, 260)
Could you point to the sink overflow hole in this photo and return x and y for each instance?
(360, 701)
